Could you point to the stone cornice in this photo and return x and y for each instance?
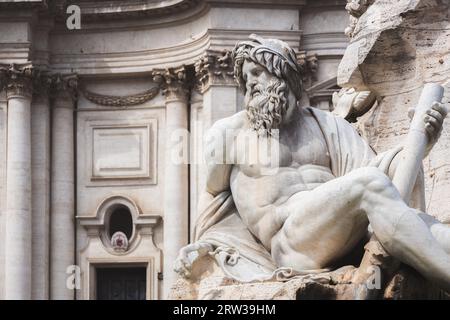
(15, 4)
(173, 82)
(214, 67)
(258, 3)
(102, 64)
(120, 10)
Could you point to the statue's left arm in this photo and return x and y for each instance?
(432, 121)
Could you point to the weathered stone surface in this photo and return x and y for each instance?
(208, 282)
(396, 47)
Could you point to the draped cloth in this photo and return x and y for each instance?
(240, 255)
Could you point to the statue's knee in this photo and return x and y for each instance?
(372, 179)
(286, 256)
(380, 183)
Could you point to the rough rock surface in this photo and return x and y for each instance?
(208, 282)
(395, 48)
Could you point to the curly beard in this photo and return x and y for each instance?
(267, 106)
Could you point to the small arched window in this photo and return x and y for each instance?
(120, 220)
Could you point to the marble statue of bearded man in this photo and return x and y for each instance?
(328, 186)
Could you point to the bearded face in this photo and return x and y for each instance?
(266, 105)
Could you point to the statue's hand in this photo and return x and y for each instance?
(433, 120)
(188, 255)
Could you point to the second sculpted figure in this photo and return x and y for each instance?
(328, 186)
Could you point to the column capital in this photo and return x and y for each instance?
(309, 64)
(173, 82)
(16, 78)
(214, 68)
(64, 87)
(42, 80)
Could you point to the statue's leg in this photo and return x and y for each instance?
(440, 231)
(402, 232)
(319, 226)
(313, 220)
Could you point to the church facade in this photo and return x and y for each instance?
(103, 107)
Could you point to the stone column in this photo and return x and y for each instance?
(18, 184)
(219, 98)
(40, 162)
(62, 187)
(214, 80)
(176, 191)
(3, 131)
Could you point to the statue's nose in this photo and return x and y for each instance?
(252, 83)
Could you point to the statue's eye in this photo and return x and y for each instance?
(257, 72)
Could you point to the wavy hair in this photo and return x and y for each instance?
(283, 66)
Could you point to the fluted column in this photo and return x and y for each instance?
(40, 163)
(62, 188)
(176, 189)
(18, 184)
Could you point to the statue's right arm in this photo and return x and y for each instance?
(217, 147)
(218, 152)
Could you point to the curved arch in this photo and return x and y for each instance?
(106, 203)
(108, 206)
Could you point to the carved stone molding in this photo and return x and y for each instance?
(22, 80)
(17, 79)
(120, 101)
(173, 82)
(114, 9)
(214, 67)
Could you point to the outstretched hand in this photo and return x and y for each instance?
(188, 255)
(433, 121)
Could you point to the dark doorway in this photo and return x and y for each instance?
(121, 283)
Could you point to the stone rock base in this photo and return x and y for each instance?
(209, 283)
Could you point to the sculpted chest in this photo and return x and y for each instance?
(301, 145)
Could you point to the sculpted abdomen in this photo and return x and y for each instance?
(257, 198)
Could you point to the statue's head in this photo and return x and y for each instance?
(268, 73)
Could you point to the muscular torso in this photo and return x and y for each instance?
(303, 164)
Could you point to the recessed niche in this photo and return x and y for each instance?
(120, 219)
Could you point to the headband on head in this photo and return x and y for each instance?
(273, 46)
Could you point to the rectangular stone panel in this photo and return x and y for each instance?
(120, 152)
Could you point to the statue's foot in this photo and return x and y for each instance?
(358, 285)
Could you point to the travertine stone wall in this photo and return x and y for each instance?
(396, 47)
